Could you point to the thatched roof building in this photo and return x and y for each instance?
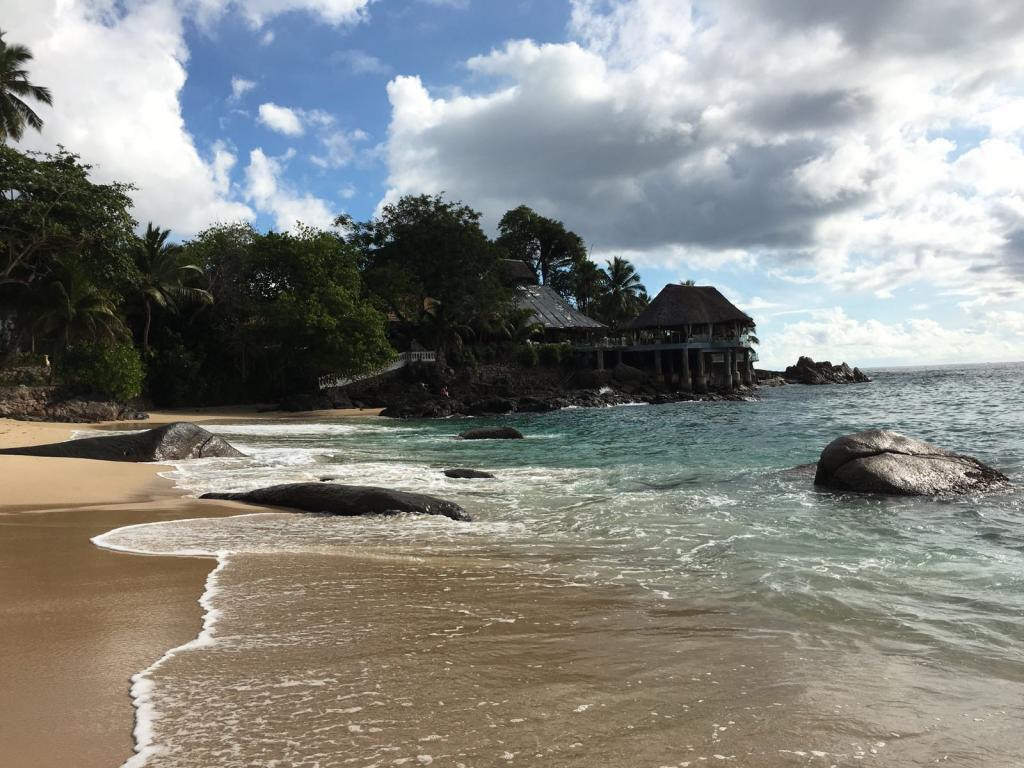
(679, 306)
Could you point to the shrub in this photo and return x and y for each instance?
(550, 355)
(111, 370)
(526, 356)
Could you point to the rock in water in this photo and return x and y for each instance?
(492, 433)
(882, 461)
(346, 500)
(173, 442)
(467, 474)
(806, 371)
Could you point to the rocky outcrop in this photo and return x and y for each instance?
(806, 371)
(346, 500)
(467, 474)
(173, 442)
(882, 461)
(51, 404)
(491, 433)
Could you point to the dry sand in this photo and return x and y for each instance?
(78, 621)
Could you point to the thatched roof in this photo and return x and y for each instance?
(551, 310)
(516, 272)
(679, 305)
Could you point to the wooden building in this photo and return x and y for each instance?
(559, 319)
(692, 336)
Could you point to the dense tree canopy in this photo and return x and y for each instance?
(545, 244)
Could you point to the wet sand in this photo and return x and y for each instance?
(79, 621)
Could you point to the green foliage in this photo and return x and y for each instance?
(545, 244)
(427, 261)
(550, 355)
(526, 356)
(15, 113)
(110, 370)
(463, 358)
(624, 296)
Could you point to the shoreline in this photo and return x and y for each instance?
(79, 619)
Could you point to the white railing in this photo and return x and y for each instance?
(333, 380)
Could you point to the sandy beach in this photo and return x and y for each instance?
(79, 621)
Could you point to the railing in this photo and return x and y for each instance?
(332, 380)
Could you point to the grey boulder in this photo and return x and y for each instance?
(883, 461)
(172, 442)
(346, 500)
(492, 433)
(467, 474)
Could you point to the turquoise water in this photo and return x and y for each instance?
(694, 502)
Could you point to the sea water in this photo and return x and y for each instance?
(649, 586)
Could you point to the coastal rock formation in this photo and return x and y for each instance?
(882, 461)
(346, 500)
(467, 474)
(46, 403)
(492, 433)
(173, 442)
(806, 371)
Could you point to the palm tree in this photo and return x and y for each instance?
(624, 294)
(163, 275)
(72, 309)
(588, 284)
(15, 114)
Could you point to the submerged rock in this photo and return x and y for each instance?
(467, 474)
(882, 461)
(172, 442)
(346, 500)
(492, 433)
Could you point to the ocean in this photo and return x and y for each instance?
(641, 586)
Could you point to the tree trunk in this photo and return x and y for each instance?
(145, 328)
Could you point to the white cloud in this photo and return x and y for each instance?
(258, 12)
(818, 139)
(340, 148)
(240, 86)
(833, 335)
(116, 79)
(362, 63)
(267, 190)
(281, 119)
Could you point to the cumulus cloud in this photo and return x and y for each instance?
(125, 119)
(267, 189)
(824, 140)
(281, 119)
(832, 334)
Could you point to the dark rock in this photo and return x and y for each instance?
(467, 474)
(538, 404)
(346, 500)
(491, 433)
(806, 371)
(882, 461)
(48, 403)
(628, 373)
(496, 405)
(172, 442)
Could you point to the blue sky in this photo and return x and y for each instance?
(850, 174)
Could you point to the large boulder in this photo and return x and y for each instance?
(467, 474)
(492, 433)
(882, 461)
(172, 442)
(346, 500)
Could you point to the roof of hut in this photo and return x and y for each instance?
(551, 310)
(517, 272)
(679, 305)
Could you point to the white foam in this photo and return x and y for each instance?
(142, 686)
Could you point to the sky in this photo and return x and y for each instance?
(851, 174)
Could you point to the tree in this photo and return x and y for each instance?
(15, 87)
(624, 294)
(587, 286)
(545, 244)
(688, 282)
(163, 276)
(69, 308)
(428, 262)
